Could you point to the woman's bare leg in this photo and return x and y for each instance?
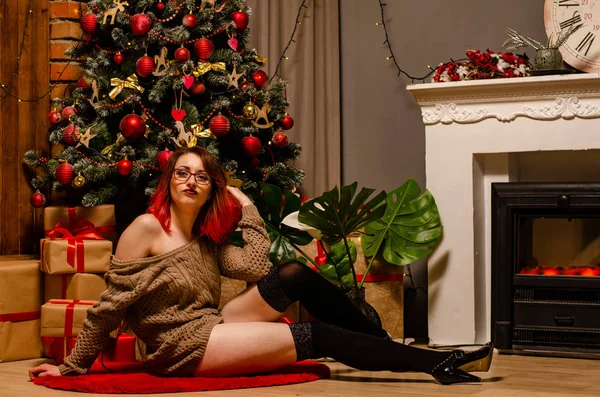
(238, 349)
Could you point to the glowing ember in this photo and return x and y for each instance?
(587, 271)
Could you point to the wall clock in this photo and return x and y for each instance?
(582, 49)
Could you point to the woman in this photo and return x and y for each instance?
(165, 281)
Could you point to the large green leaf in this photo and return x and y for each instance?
(338, 213)
(407, 230)
(274, 205)
(338, 268)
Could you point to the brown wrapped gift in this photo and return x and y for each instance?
(20, 301)
(84, 286)
(64, 317)
(384, 288)
(101, 216)
(73, 255)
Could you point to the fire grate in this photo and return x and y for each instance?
(558, 295)
(575, 338)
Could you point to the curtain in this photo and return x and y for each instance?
(313, 73)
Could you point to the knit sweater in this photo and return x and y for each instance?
(170, 300)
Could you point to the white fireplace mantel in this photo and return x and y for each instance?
(544, 129)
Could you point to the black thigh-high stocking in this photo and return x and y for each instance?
(362, 351)
(294, 281)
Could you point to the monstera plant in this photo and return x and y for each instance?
(401, 227)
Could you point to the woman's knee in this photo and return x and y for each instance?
(294, 271)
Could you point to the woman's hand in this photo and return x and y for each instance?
(44, 370)
(239, 196)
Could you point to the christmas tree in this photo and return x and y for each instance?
(160, 74)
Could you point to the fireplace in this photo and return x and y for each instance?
(533, 129)
(546, 266)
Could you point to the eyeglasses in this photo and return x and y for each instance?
(181, 174)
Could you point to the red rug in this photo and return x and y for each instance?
(144, 383)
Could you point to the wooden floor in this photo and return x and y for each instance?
(513, 376)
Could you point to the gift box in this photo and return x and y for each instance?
(102, 217)
(66, 254)
(81, 286)
(119, 350)
(384, 286)
(20, 301)
(63, 317)
(58, 348)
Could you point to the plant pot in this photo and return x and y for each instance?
(357, 296)
(548, 59)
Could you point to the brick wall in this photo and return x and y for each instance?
(65, 32)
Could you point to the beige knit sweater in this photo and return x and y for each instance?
(171, 300)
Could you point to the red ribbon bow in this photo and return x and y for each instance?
(82, 230)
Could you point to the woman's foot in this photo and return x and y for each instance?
(456, 368)
(478, 360)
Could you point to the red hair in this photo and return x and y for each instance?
(221, 213)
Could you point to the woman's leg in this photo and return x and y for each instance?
(293, 282)
(239, 349)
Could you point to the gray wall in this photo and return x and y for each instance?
(383, 137)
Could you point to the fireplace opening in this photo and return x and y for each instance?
(558, 246)
(546, 267)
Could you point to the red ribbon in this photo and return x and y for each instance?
(21, 316)
(70, 310)
(73, 224)
(83, 230)
(375, 278)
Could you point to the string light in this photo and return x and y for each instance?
(392, 56)
(291, 40)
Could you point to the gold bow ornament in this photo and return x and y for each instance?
(200, 133)
(204, 67)
(130, 82)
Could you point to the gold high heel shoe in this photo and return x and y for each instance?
(478, 360)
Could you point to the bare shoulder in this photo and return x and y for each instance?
(136, 241)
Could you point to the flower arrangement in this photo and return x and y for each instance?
(483, 65)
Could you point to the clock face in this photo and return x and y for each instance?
(582, 49)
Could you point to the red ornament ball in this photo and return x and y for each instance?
(198, 88)
(144, 66)
(71, 134)
(132, 126)
(240, 19)
(160, 6)
(81, 83)
(287, 122)
(37, 199)
(140, 24)
(280, 139)
(88, 23)
(162, 158)
(251, 146)
(54, 117)
(189, 21)
(219, 125)
(260, 78)
(204, 48)
(64, 173)
(118, 58)
(182, 54)
(67, 112)
(124, 167)
(245, 85)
